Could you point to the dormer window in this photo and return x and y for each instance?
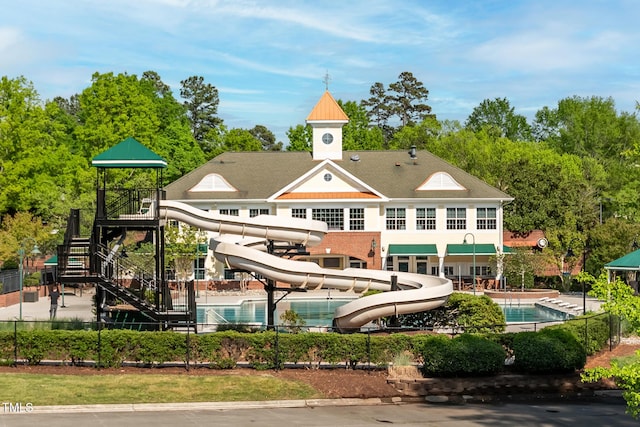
(212, 182)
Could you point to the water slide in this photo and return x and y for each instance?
(241, 245)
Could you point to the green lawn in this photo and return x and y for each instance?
(46, 390)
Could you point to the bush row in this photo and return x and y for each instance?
(553, 349)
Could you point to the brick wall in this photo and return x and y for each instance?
(14, 297)
(354, 244)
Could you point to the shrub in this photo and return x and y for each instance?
(592, 332)
(462, 311)
(464, 355)
(548, 351)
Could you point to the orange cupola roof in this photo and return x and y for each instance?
(327, 109)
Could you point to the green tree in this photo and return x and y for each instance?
(241, 140)
(358, 134)
(36, 161)
(500, 115)
(300, 138)
(404, 99)
(181, 244)
(588, 127)
(520, 267)
(266, 138)
(421, 135)
(379, 109)
(619, 299)
(24, 227)
(407, 97)
(201, 101)
(117, 107)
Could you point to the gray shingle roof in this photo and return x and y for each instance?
(258, 175)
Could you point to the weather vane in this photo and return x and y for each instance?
(326, 80)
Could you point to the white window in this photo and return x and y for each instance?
(486, 219)
(456, 218)
(481, 270)
(232, 212)
(396, 219)
(298, 213)
(198, 269)
(356, 219)
(256, 212)
(333, 217)
(425, 218)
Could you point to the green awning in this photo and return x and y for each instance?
(508, 250)
(630, 261)
(419, 250)
(129, 154)
(468, 249)
(52, 261)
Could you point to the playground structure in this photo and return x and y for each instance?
(260, 245)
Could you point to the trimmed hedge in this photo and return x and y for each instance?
(592, 332)
(548, 351)
(464, 355)
(553, 349)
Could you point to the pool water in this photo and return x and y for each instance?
(315, 312)
(531, 313)
(319, 312)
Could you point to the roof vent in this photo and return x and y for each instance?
(355, 158)
(412, 152)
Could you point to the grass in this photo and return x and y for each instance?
(32, 325)
(46, 390)
(626, 360)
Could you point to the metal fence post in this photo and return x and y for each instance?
(188, 344)
(586, 334)
(369, 350)
(99, 344)
(277, 366)
(15, 342)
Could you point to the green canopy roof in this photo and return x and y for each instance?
(52, 261)
(508, 250)
(468, 249)
(129, 154)
(630, 261)
(425, 249)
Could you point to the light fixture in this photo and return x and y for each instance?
(373, 245)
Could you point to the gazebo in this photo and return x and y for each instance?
(629, 265)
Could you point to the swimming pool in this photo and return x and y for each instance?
(315, 312)
(319, 312)
(530, 313)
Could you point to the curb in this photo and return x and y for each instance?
(202, 406)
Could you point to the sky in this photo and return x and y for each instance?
(269, 58)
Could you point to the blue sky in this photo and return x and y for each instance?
(268, 58)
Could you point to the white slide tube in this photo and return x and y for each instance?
(417, 292)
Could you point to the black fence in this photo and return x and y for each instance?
(594, 328)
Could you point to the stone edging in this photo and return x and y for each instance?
(496, 387)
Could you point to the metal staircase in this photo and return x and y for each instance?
(83, 260)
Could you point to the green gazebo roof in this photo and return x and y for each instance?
(128, 154)
(630, 261)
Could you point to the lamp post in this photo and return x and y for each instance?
(21, 253)
(473, 241)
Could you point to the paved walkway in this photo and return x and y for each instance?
(71, 306)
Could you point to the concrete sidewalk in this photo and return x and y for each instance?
(71, 306)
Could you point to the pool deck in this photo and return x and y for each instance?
(81, 306)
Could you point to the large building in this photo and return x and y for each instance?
(394, 210)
